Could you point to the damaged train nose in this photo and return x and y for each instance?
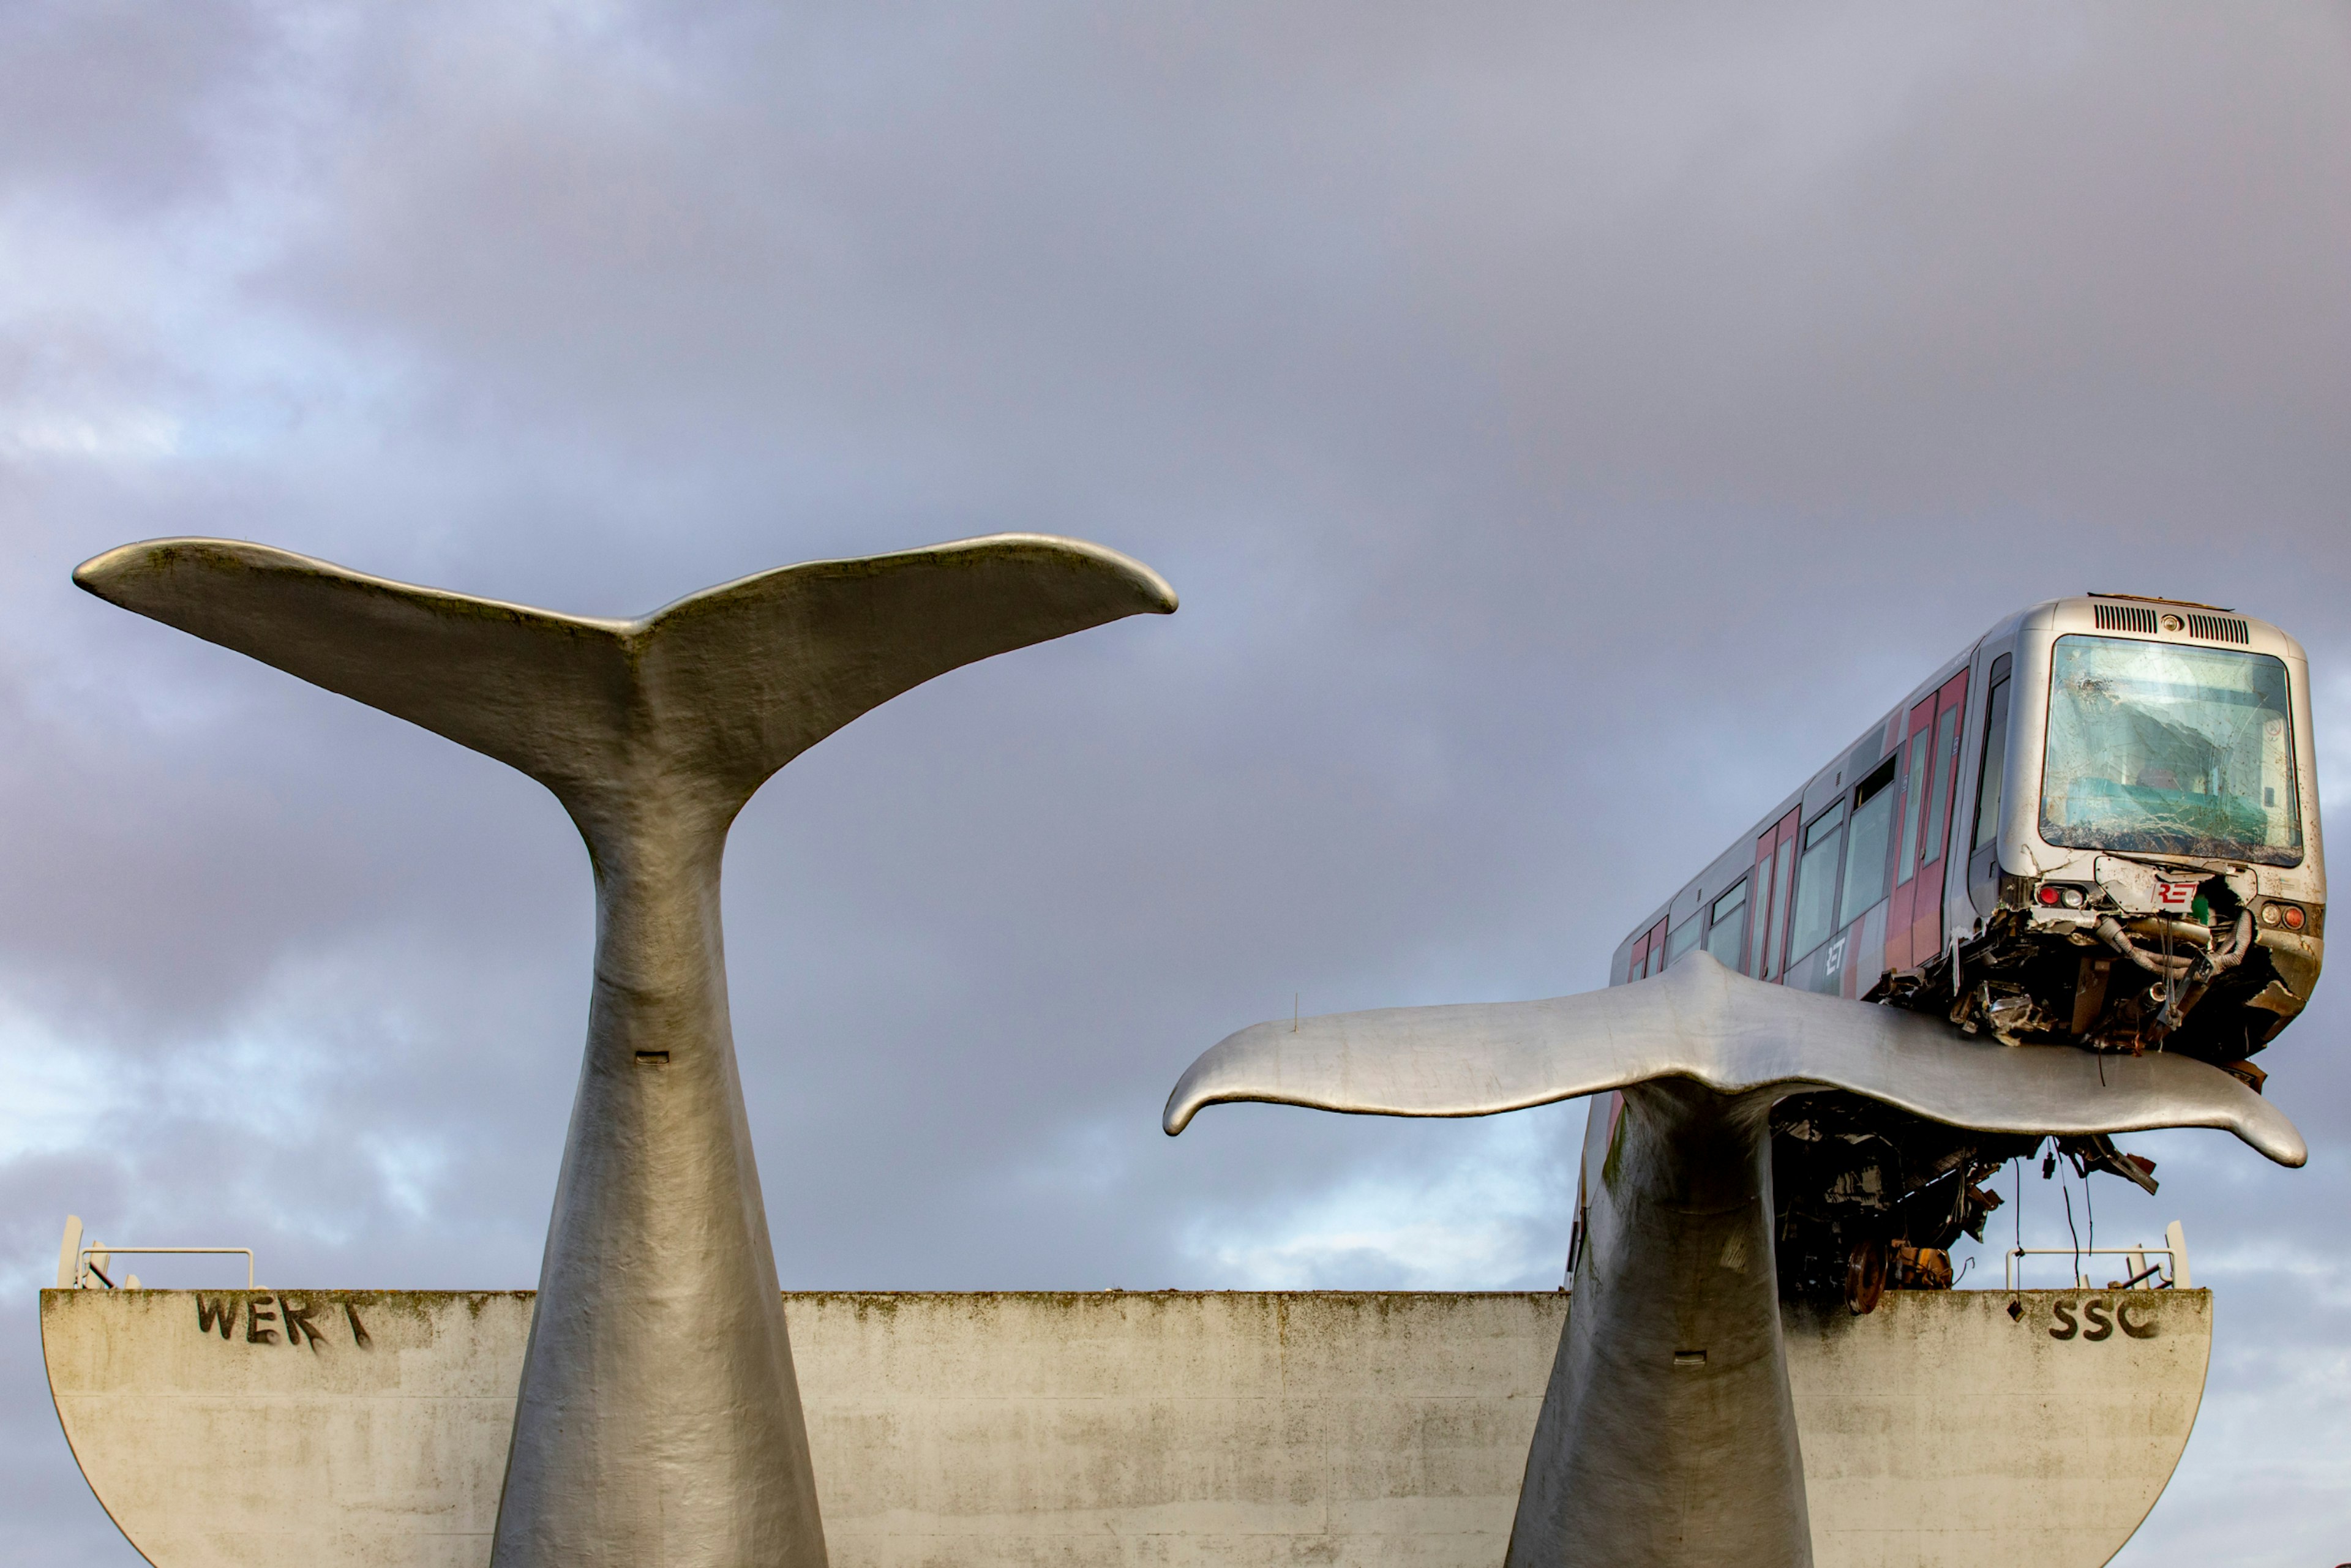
(2128, 962)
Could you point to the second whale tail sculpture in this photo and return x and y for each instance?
(659, 1420)
(1667, 1435)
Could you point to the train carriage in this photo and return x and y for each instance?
(2096, 828)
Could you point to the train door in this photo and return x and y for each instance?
(1983, 839)
(1917, 740)
(1942, 760)
(1775, 865)
(1648, 953)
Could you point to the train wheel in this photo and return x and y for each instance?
(1864, 1277)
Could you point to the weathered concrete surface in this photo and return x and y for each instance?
(1939, 1432)
(244, 1450)
(1121, 1429)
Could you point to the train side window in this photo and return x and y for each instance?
(1866, 843)
(1815, 885)
(1914, 796)
(1683, 938)
(1726, 932)
(1995, 767)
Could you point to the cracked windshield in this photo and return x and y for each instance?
(2156, 749)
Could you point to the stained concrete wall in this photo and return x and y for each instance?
(1938, 1431)
(1118, 1429)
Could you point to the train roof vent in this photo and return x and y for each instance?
(2130, 618)
(2220, 628)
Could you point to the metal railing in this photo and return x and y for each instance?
(2173, 1253)
(75, 1266)
(108, 1252)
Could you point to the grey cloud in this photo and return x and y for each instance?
(126, 106)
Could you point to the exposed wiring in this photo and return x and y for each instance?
(2016, 1270)
(2166, 1016)
(2017, 1165)
(2067, 1193)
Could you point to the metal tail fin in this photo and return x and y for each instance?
(1703, 1022)
(723, 687)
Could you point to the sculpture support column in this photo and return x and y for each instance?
(1667, 1435)
(658, 1419)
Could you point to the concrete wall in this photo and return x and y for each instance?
(1938, 1431)
(1117, 1430)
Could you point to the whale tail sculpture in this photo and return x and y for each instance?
(1667, 1435)
(659, 1420)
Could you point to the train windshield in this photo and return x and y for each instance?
(2162, 749)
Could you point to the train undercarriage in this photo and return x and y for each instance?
(2149, 957)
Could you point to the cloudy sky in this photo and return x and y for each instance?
(1566, 426)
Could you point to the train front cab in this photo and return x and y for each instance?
(2150, 871)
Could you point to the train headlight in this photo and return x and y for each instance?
(2270, 914)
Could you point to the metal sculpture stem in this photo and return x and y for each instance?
(659, 1420)
(1667, 1435)
(658, 1400)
